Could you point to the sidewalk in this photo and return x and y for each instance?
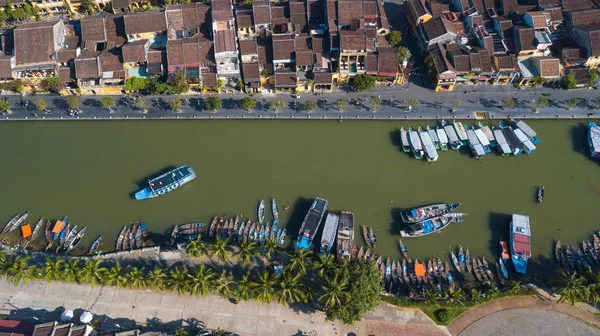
(128, 309)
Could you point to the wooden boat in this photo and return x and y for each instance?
(119, 245)
(267, 232)
(174, 235)
(11, 223)
(226, 228)
(282, 237)
(219, 227)
(37, 229)
(404, 140)
(138, 238)
(405, 275)
(63, 235)
(455, 261)
(540, 195)
(447, 271)
(411, 272)
(438, 274)
(481, 269)
(251, 232)
(486, 267)
(461, 259)
(372, 237)
(236, 224)
(503, 269)
(379, 260)
(261, 235)
(442, 269)
(70, 237)
(418, 275)
(213, 227)
(597, 246)
(247, 229)
(240, 236)
(361, 254)
(476, 271)
(261, 211)
(126, 239)
(558, 254)
(570, 257)
(275, 210)
(373, 257)
(403, 249)
(588, 250)
(399, 276)
(582, 257)
(144, 229)
(274, 229)
(367, 254)
(77, 240)
(468, 262)
(382, 271)
(48, 232)
(394, 271)
(501, 277)
(95, 245)
(366, 235)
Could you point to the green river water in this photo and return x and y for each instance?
(89, 171)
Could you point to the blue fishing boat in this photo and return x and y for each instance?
(311, 223)
(58, 228)
(442, 137)
(273, 230)
(594, 139)
(329, 232)
(275, 210)
(420, 214)
(278, 233)
(520, 244)
(528, 146)
(261, 211)
(483, 139)
(166, 182)
(431, 225)
(528, 131)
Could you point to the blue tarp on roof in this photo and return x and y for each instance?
(413, 212)
(428, 226)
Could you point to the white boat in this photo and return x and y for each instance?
(430, 151)
(434, 138)
(528, 131)
(443, 138)
(460, 130)
(329, 232)
(415, 144)
(503, 146)
(474, 144)
(483, 140)
(489, 134)
(528, 146)
(452, 136)
(594, 139)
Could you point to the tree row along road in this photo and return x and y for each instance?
(413, 103)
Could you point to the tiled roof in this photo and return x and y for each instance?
(225, 41)
(525, 38)
(352, 40)
(370, 8)
(221, 10)
(145, 22)
(248, 47)
(120, 4)
(34, 43)
(303, 42)
(569, 5)
(578, 18)
(440, 62)
(581, 74)
(110, 61)
(283, 47)
(321, 78)
(316, 11)
(194, 17)
(349, 10)
(114, 27)
(548, 66)
(195, 50)
(261, 11)
(87, 66)
(135, 52)
(435, 28)
(506, 62)
(157, 56)
(387, 63)
(250, 72)
(371, 63)
(244, 20)
(66, 55)
(5, 67)
(509, 6)
(92, 28)
(262, 55)
(66, 74)
(570, 54)
(285, 79)
(209, 79)
(279, 15)
(304, 58)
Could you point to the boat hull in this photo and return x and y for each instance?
(311, 224)
(166, 183)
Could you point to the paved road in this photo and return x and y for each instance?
(430, 106)
(127, 309)
(530, 322)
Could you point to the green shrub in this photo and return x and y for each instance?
(443, 315)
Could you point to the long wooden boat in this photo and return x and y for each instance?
(247, 229)
(138, 238)
(394, 271)
(372, 237)
(477, 271)
(443, 138)
(261, 235)
(588, 249)
(382, 271)
(10, 223)
(403, 249)
(64, 233)
(213, 226)
(419, 214)
(558, 254)
(405, 274)
(417, 270)
(582, 257)
(144, 229)
(455, 261)
(70, 237)
(275, 210)
(261, 212)
(442, 269)
(540, 195)
(399, 273)
(431, 225)
(597, 246)
(174, 236)
(95, 245)
(501, 277)
(240, 236)
(481, 269)
(366, 235)
(219, 227)
(503, 269)
(274, 229)
(125, 245)
(461, 259)
(486, 267)
(48, 232)
(236, 224)
(361, 253)
(19, 222)
(282, 238)
(77, 240)
(570, 257)
(37, 229)
(468, 262)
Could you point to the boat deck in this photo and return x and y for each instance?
(483, 139)
(460, 130)
(415, 142)
(512, 140)
(488, 133)
(433, 135)
(330, 229)
(442, 136)
(313, 218)
(169, 178)
(345, 235)
(521, 233)
(529, 146)
(594, 139)
(501, 141)
(529, 132)
(451, 133)
(429, 147)
(404, 138)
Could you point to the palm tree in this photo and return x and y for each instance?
(247, 251)
(19, 270)
(299, 260)
(493, 292)
(456, 298)
(244, 288)
(224, 284)
(157, 278)
(334, 292)
(135, 277)
(71, 270)
(92, 271)
(116, 276)
(475, 297)
(192, 248)
(432, 297)
(570, 287)
(178, 280)
(52, 269)
(265, 287)
(201, 281)
(220, 248)
(324, 264)
(309, 294)
(515, 287)
(290, 289)
(272, 246)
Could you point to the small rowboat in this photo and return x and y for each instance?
(48, 232)
(461, 259)
(213, 227)
(275, 210)
(500, 273)
(144, 230)
(486, 267)
(366, 235)
(125, 245)
(77, 239)
(403, 249)
(468, 262)
(11, 223)
(95, 245)
(558, 253)
(372, 237)
(37, 229)
(138, 238)
(394, 271)
(361, 253)
(261, 211)
(455, 261)
(282, 237)
(540, 195)
(368, 254)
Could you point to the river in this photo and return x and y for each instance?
(89, 171)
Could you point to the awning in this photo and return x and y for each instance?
(26, 230)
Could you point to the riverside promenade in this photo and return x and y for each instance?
(123, 309)
(431, 105)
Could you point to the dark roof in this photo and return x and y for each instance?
(387, 63)
(114, 27)
(225, 41)
(509, 6)
(349, 10)
(111, 61)
(191, 17)
(548, 66)
(315, 11)
(145, 22)
(221, 10)
(209, 79)
(371, 63)
(435, 28)
(304, 58)
(439, 60)
(279, 14)
(576, 4)
(86, 65)
(248, 47)
(303, 42)
(475, 61)
(34, 43)
(135, 52)
(460, 60)
(262, 55)
(261, 12)
(285, 79)
(283, 47)
(323, 77)
(194, 50)
(66, 74)
(320, 44)
(352, 40)
(418, 7)
(5, 72)
(571, 54)
(66, 55)
(583, 17)
(244, 20)
(581, 74)
(250, 72)
(92, 28)
(120, 4)
(525, 38)
(506, 62)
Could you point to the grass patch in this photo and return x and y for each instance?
(454, 313)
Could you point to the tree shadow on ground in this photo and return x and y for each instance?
(498, 225)
(302, 308)
(91, 103)
(60, 103)
(230, 104)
